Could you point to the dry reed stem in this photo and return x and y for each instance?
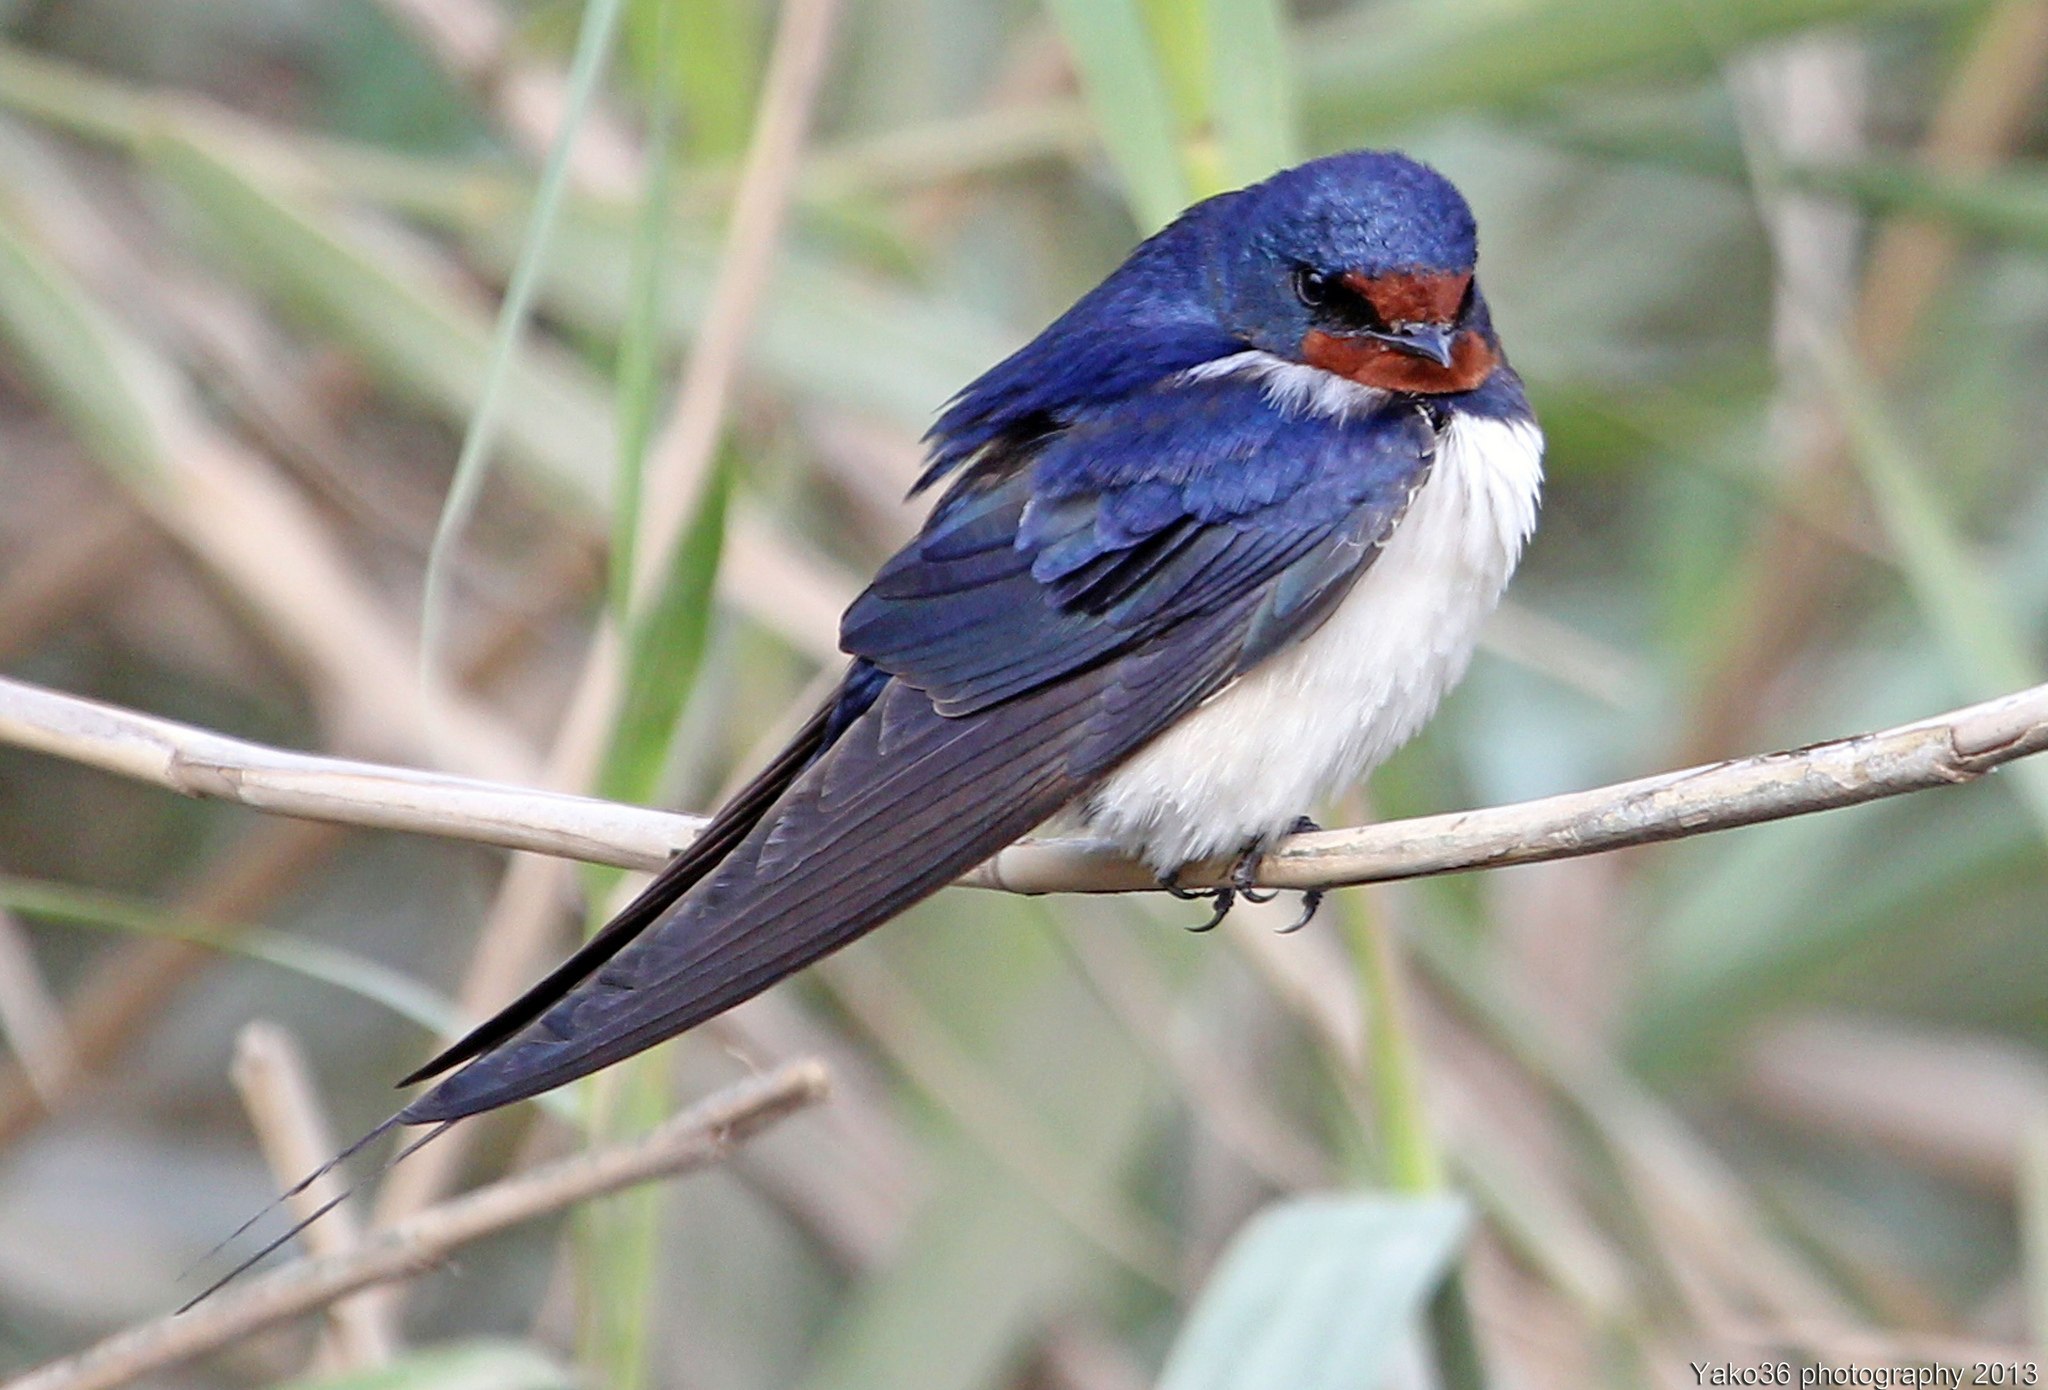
(1959, 746)
(700, 1136)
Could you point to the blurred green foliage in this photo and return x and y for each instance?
(1774, 1081)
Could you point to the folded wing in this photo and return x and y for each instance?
(1067, 601)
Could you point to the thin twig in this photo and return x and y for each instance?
(700, 1136)
(1958, 746)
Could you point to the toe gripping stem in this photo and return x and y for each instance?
(1223, 898)
(1244, 875)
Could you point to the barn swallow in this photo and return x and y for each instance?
(1211, 547)
(1208, 548)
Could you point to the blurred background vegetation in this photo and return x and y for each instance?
(1777, 272)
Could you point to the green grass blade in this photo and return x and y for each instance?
(666, 651)
(399, 993)
(1133, 107)
(593, 46)
(712, 65)
(619, 1237)
(640, 370)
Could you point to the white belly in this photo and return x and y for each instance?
(1318, 715)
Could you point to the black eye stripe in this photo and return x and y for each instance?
(1334, 302)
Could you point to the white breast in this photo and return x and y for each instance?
(1320, 714)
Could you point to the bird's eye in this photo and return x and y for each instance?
(1311, 286)
(1465, 303)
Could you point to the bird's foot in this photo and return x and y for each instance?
(1243, 886)
(1244, 876)
(1312, 899)
(1223, 898)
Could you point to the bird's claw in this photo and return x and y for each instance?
(1244, 877)
(1223, 898)
(1243, 885)
(1312, 899)
(1311, 903)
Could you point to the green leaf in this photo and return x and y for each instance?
(475, 1366)
(1133, 108)
(1316, 1293)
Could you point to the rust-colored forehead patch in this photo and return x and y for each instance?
(1408, 296)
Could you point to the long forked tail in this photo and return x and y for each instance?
(700, 857)
(292, 1232)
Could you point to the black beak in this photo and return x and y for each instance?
(1433, 341)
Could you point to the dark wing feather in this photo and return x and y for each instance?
(677, 877)
(1014, 684)
(898, 808)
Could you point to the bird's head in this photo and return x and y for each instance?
(1359, 264)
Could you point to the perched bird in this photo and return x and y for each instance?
(1210, 547)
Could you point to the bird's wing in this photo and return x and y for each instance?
(1055, 614)
(716, 840)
